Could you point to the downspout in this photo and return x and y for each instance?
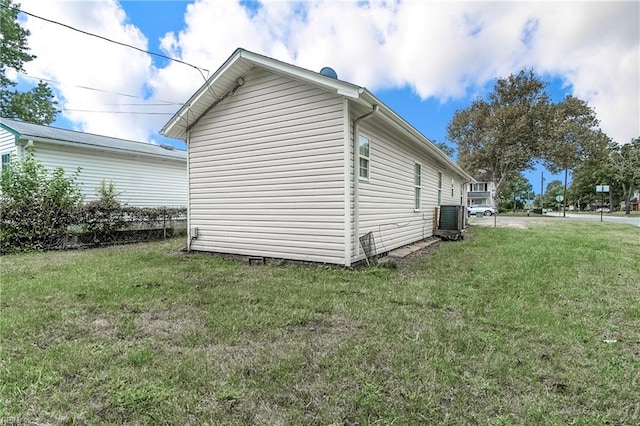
(190, 237)
(356, 176)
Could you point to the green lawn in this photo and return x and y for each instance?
(511, 326)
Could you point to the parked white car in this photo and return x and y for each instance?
(485, 209)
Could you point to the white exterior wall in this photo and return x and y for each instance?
(7, 142)
(386, 200)
(267, 172)
(141, 181)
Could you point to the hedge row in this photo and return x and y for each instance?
(41, 208)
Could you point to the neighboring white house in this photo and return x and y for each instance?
(144, 174)
(275, 170)
(481, 193)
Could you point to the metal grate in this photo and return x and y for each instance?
(368, 246)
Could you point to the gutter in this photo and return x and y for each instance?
(400, 122)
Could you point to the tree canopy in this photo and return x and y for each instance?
(503, 135)
(517, 191)
(625, 162)
(518, 126)
(36, 105)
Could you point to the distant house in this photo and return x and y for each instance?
(481, 193)
(144, 174)
(289, 163)
(634, 201)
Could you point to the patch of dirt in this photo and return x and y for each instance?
(518, 222)
(162, 324)
(168, 324)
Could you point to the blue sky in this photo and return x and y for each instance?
(424, 59)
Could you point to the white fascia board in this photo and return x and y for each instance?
(341, 88)
(424, 141)
(196, 97)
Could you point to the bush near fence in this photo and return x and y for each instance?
(42, 209)
(92, 226)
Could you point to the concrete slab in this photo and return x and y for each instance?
(404, 251)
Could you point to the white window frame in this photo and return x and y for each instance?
(6, 159)
(364, 158)
(479, 187)
(452, 185)
(417, 187)
(439, 188)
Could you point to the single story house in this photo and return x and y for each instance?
(288, 163)
(144, 174)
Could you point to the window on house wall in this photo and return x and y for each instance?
(479, 187)
(452, 187)
(363, 154)
(439, 188)
(5, 160)
(417, 171)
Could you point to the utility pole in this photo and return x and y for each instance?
(564, 200)
(541, 190)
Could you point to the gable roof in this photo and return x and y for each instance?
(229, 77)
(23, 130)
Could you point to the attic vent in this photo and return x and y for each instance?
(329, 72)
(167, 146)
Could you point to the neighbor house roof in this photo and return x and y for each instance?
(39, 132)
(229, 77)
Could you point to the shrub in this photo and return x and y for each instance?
(37, 205)
(103, 217)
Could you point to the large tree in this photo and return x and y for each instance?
(554, 188)
(518, 190)
(503, 135)
(594, 169)
(36, 105)
(573, 133)
(625, 160)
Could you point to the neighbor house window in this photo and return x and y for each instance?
(439, 188)
(417, 184)
(363, 154)
(5, 160)
(479, 187)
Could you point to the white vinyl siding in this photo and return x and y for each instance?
(141, 181)
(267, 172)
(386, 204)
(7, 142)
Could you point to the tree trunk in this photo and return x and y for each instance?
(610, 201)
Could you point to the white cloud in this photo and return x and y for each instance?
(73, 59)
(447, 50)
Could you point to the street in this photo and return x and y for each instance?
(526, 221)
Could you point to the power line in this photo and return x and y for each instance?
(108, 39)
(98, 90)
(118, 104)
(117, 112)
